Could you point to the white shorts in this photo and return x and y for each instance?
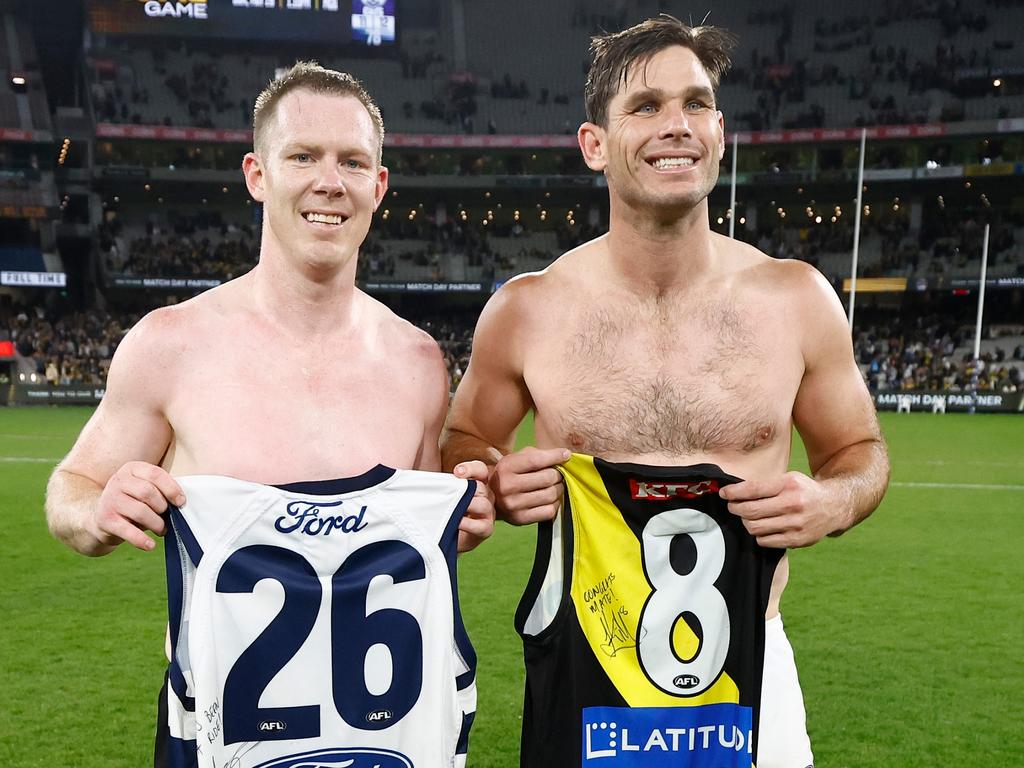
(782, 733)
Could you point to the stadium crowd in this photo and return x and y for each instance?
(67, 348)
(64, 347)
(192, 246)
(933, 356)
(925, 50)
(403, 247)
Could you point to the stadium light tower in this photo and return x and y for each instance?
(856, 225)
(732, 186)
(981, 295)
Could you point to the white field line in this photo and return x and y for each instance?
(959, 463)
(27, 460)
(960, 486)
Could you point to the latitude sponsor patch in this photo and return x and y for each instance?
(708, 736)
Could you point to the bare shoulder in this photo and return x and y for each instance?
(536, 296)
(397, 336)
(788, 279)
(164, 339)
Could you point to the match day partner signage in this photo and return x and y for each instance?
(950, 402)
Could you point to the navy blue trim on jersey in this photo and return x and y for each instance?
(462, 745)
(449, 545)
(169, 752)
(176, 594)
(541, 561)
(368, 479)
(181, 753)
(184, 533)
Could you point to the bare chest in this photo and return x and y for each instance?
(284, 420)
(669, 382)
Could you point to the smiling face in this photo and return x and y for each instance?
(664, 137)
(318, 178)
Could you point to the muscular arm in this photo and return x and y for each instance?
(836, 419)
(431, 377)
(492, 398)
(489, 406)
(126, 436)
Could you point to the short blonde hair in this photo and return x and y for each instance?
(311, 76)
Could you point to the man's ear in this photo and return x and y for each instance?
(721, 128)
(380, 186)
(252, 169)
(592, 144)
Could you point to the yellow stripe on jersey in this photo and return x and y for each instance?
(609, 590)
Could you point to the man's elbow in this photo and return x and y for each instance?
(459, 445)
(63, 519)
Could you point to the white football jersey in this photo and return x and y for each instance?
(317, 624)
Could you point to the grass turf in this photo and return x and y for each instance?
(907, 630)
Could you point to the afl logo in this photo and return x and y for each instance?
(272, 726)
(686, 681)
(380, 716)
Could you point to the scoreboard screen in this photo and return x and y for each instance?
(361, 22)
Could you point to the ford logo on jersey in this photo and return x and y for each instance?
(305, 517)
(341, 758)
(706, 736)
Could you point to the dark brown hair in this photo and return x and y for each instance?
(614, 54)
(311, 76)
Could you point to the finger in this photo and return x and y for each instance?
(532, 459)
(483, 491)
(777, 541)
(472, 470)
(140, 515)
(145, 492)
(480, 508)
(755, 510)
(164, 483)
(482, 527)
(535, 480)
(748, 490)
(768, 527)
(467, 542)
(122, 529)
(530, 516)
(541, 498)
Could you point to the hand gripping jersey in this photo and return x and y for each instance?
(317, 625)
(643, 623)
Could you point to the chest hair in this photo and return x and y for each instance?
(665, 379)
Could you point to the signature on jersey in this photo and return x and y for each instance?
(616, 633)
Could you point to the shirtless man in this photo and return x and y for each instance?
(286, 374)
(662, 343)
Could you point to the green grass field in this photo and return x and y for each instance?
(908, 630)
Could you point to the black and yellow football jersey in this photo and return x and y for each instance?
(643, 623)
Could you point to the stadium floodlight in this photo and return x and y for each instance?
(18, 83)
